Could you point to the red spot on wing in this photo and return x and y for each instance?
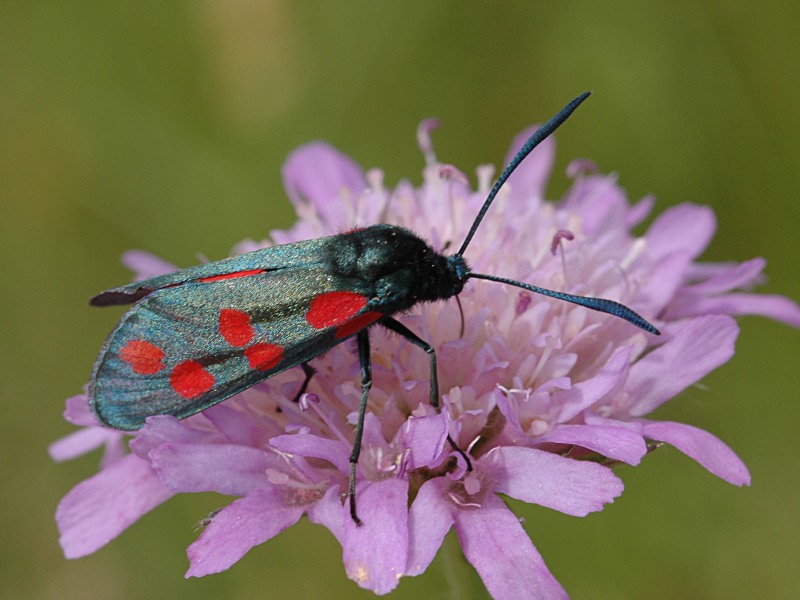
(264, 357)
(235, 275)
(143, 357)
(234, 326)
(190, 379)
(334, 308)
(358, 323)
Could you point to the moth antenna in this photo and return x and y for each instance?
(599, 304)
(538, 137)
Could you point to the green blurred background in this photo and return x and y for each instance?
(163, 126)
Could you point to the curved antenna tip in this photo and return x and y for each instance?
(582, 97)
(534, 140)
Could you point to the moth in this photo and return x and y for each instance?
(198, 336)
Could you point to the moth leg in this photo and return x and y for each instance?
(461, 312)
(400, 329)
(366, 384)
(309, 372)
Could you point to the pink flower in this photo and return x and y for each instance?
(539, 393)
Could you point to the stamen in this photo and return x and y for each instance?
(561, 234)
(452, 173)
(548, 350)
(557, 244)
(375, 180)
(306, 400)
(579, 166)
(635, 251)
(460, 501)
(523, 302)
(449, 174)
(424, 139)
(485, 178)
(314, 406)
(477, 439)
(404, 461)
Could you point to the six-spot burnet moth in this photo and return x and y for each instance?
(198, 336)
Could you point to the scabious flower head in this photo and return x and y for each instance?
(541, 394)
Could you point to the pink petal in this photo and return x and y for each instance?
(665, 278)
(600, 205)
(314, 446)
(686, 227)
(375, 553)
(639, 211)
(80, 442)
(531, 177)
(424, 142)
(425, 438)
(569, 486)
(98, 509)
(693, 349)
(373, 432)
(498, 547)
(146, 265)
(237, 426)
(330, 513)
(578, 167)
(318, 175)
(703, 447)
(78, 412)
(243, 524)
(582, 395)
(736, 276)
(163, 429)
(429, 520)
(225, 468)
(774, 307)
(617, 443)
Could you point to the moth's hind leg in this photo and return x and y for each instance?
(366, 385)
(400, 329)
(309, 372)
